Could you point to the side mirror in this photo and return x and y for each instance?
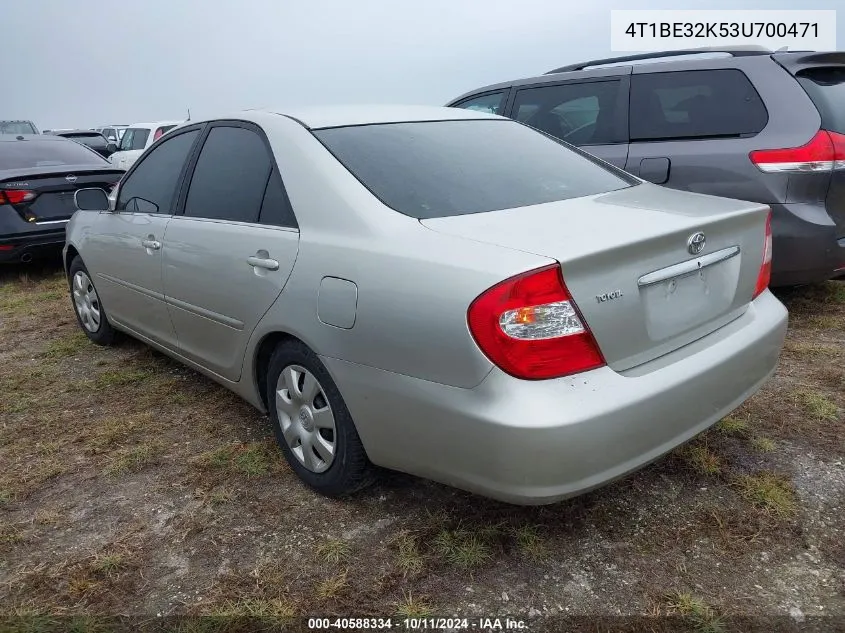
(91, 199)
(111, 148)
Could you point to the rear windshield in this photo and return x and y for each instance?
(17, 127)
(826, 87)
(445, 168)
(134, 138)
(89, 139)
(32, 153)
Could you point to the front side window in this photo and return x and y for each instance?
(151, 185)
(578, 113)
(694, 104)
(490, 103)
(17, 127)
(461, 167)
(230, 176)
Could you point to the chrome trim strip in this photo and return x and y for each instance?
(689, 267)
(48, 222)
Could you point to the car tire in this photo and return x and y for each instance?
(303, 402)
(90, 313)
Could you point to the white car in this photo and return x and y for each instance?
(113, 133)
(136, 138)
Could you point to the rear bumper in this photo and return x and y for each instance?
(28, 246)
(805, 245)
(536, 442)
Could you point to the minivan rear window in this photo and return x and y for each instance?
(134, 138)
(826, 87)
(436, 169)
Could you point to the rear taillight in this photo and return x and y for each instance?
(158, 134)
(16, 196)
(765, 274)
(824, 152)
(530, 327)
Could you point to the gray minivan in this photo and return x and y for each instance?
(740, 123)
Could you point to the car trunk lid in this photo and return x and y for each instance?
(47, 195)
(628, 258)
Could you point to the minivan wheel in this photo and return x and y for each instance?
(312, 424)
(87, 307)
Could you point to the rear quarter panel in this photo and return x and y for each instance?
(414, 286)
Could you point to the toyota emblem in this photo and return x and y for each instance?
(696, 242)
(70, 178)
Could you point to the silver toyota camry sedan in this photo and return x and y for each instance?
(438, 291)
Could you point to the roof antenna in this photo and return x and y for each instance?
(189, 114)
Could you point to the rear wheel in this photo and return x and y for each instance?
(312, 424)
(89, 311)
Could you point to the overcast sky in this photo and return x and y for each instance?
(83, 63)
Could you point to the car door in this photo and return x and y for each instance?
(590, 114)
(694, 129)
(230, 251)
(124, 249)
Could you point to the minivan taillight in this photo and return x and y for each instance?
(765, 274)
(530, 327)
(824, 152)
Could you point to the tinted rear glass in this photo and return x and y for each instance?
(444, 168)
(96, 140)
(17, 127)
(826, 87)
(32, 153)
(694, 104)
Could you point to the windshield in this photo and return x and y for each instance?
(54, 153)
(826, 87)
(17, 127)
(134, 138)
(445, 168)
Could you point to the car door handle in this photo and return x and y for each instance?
(262, 262)
(153, 244)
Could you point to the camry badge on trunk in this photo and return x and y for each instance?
(696, 242)
(70, 178)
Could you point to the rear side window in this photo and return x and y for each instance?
(694, 104)
(490, 103)
(164, 129)
(826, 87)
(445, 168)
(134, 138)
(54, 153)
(276, 209)
(230, 177)
(578, 113)
(151, 186)
(92, 140)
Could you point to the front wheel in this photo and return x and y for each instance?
(312, 424)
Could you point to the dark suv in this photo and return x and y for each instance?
(748, 124)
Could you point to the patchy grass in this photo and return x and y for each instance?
(408, 557)
(732, 426)
(108, 563)
(530, 543)
(66, 346)
(769, 491)
(271, 608)
(334, 550)
(121, 378)
(763, 444)
(132, 460)
(694, 610)
(252, 459)
(462, 548)
(333, 586)
(411, 607)
(702, 459)
(817, 404)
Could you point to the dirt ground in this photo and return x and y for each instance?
(131, 486)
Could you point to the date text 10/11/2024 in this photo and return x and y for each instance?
(417, 624)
